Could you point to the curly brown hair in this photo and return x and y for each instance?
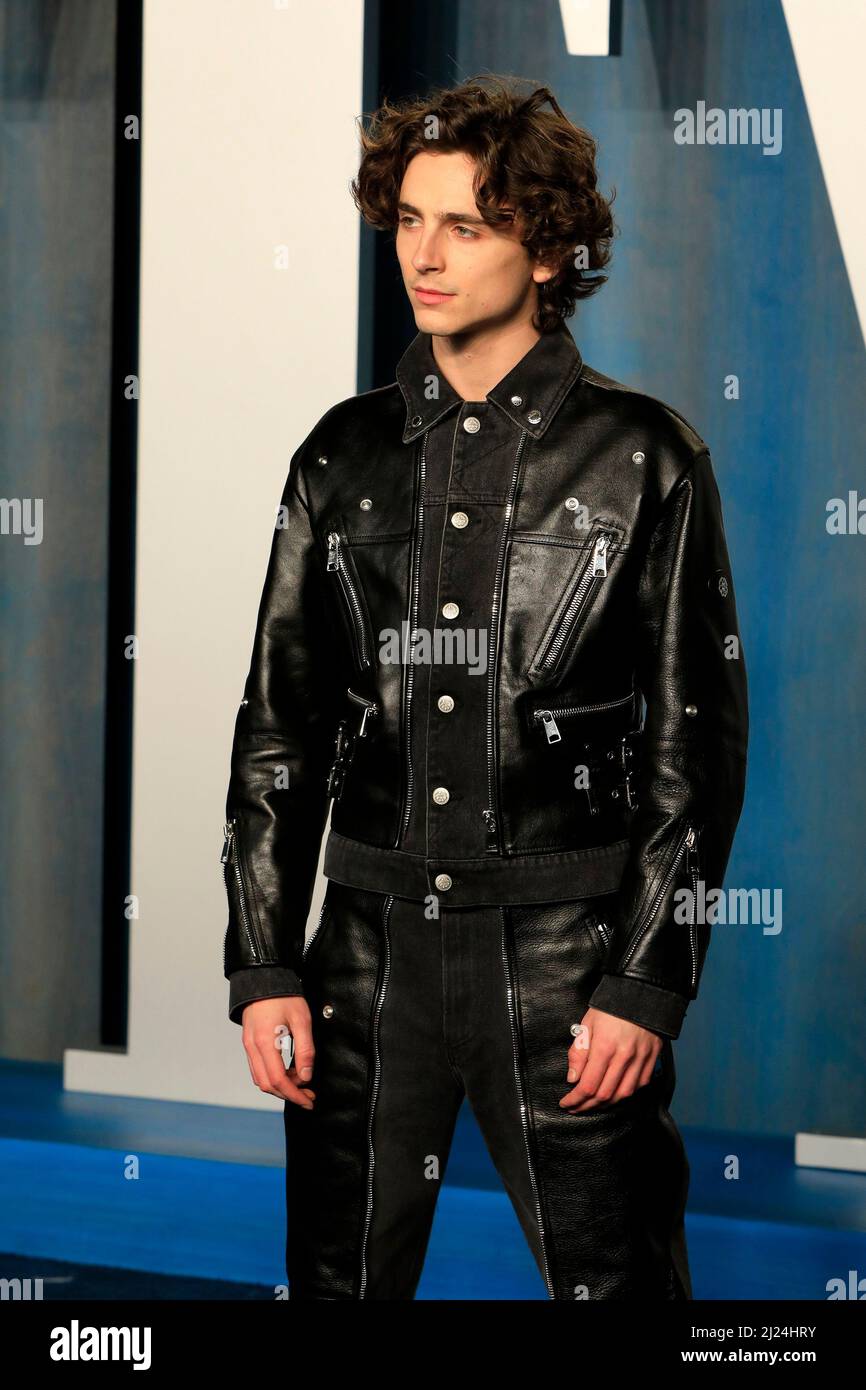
(536, 161)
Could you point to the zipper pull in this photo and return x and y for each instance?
(370, 709)
(691, 850)
(599, 557)
(333, 550)
(551, 728)
(490, 822)
(228, 832)
(370, 712)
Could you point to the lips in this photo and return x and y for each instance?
(431, 296)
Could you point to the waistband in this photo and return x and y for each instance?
(519, 878)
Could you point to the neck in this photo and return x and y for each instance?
(473, 363)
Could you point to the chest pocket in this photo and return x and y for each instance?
(585, 583)
(341, 567)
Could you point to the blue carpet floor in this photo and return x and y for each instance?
(156, 1199)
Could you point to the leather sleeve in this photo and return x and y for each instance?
(277, 801)
(691, 784)
(260, 982)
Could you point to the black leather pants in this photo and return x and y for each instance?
(409, 1014)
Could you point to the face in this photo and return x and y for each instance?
(462, 277)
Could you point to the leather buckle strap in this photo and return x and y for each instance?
(347, 739)
(344, 747)
(612, 771)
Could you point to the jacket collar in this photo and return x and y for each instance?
(530, 394)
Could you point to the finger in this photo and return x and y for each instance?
(607, 1085)
(276, 1078)
(298, 1096)
(648, 1070)
(305, 1052)
(257, 1068)
(578, 1053)
(630, 1081)
(302, 1090)
(594, 1070)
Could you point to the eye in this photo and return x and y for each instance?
(470, 235)
(406, 218)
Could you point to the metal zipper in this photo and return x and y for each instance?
(686, 842)
(413, 616)
(551, 728)
(230, 837)
(692, 869)
(315, 932)
(595, 568)
(337, 563)
(490, 816)
(377, 1070)
(523, 1116)
(602, 931)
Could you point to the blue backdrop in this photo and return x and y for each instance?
(728, 262)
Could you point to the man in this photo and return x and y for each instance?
(480, 575)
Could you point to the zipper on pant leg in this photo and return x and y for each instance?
(518, 1078)
(315, 932)
(374, 1091)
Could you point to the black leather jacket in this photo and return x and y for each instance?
(579, 524)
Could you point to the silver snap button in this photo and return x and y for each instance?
(517, 400)
(365, 504)
(639, 457)
(443, 882)
(328, 1011)
(572, 504)
(534, 417)
(441, 795)
(416, 420)
(445, 703)
(450, 610)
(459, 519)
(472, 424)
(574, 1030)
(691, 709)
(322, 459)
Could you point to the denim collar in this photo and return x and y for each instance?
(530, 394)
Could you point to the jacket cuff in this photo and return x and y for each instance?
(659, 1010)
(259, 982)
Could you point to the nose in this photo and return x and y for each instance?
(428, 253)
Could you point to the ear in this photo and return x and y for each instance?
(542, 273)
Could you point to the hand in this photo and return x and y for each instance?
(609, 1059)
(266, 1023)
